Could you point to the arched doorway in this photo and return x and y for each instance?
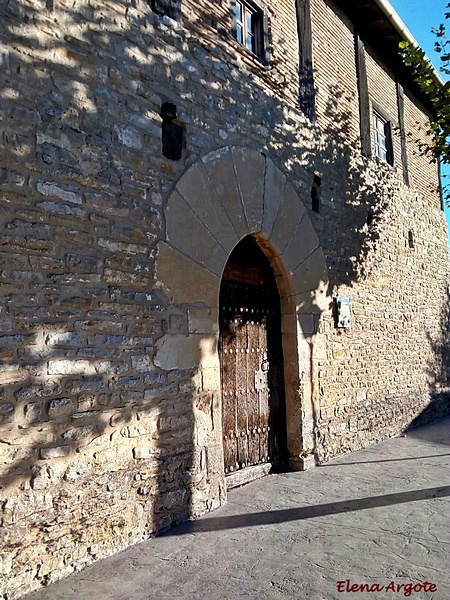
(251, 362)
(228, 194)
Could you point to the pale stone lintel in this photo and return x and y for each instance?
(71, 367)
(69, 193)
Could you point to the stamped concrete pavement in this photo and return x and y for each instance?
(372, 524)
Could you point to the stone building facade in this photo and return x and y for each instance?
(142, 143)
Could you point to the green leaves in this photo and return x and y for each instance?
(438, 93)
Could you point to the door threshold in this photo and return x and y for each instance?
(246, 475)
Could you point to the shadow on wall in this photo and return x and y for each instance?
(438, 371)
(370, 208)
(88, 421)
(89, 457)
(86, 418)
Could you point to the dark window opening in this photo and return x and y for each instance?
(315, 197)
(410, 239)
(170, 8)
(172, 132)
(382, 138)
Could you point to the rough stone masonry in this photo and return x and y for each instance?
(139, 144)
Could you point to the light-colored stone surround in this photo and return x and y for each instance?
(228, 194)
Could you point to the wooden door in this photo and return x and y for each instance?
(253, 411)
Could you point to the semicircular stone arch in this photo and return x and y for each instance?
(223, 197)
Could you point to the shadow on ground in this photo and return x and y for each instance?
(429, 434)
(307, 512)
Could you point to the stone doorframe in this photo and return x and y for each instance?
(229, 194)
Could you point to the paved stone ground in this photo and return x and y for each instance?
(376, 516)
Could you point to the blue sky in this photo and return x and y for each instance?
(420, 16)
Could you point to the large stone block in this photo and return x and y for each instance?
(71, 367)
(199, 192)
(301, 245)
(203, 320)
(250, 171)
(188, 234)
(317, 301)
(186, 352)
(274, 184)
(177, 352)
(221, 171)
(183, 280)
(290, 212)
(311, 274)
(210, 379)
(68, 193)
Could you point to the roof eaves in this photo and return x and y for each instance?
(401, 28)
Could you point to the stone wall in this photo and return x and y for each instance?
(335, 72)
(109, 381)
